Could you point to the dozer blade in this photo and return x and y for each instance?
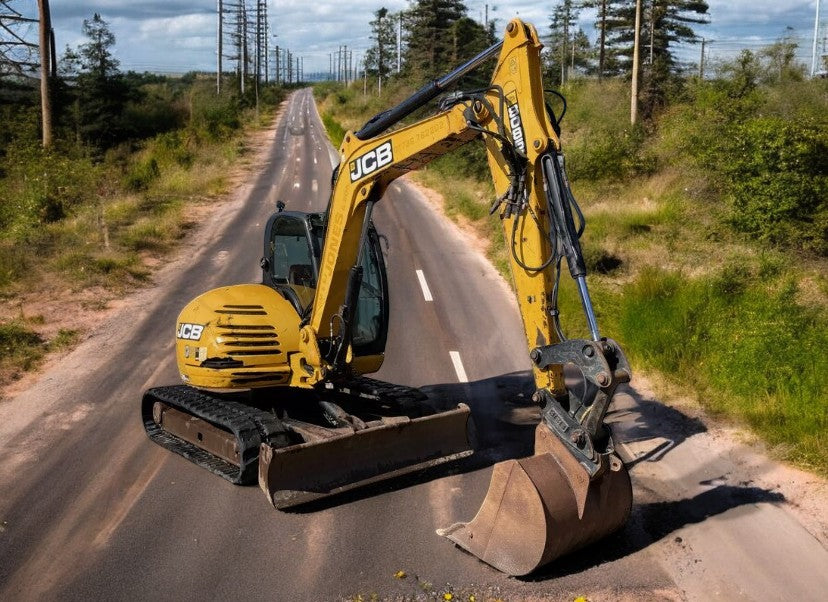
(542, 507)
(332, 464)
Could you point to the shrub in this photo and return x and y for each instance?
(777, 181)
(19, 345)
(141, 174)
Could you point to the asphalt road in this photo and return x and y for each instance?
(91, 509)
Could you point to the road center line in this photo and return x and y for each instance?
(314, 186)
(458, 366)
(424, 286)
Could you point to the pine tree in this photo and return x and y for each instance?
(568, 47)
(602, 6)
(381, 58)
(664, 24)
(434, 42)
(101, 89)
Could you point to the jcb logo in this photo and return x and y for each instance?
(371, 161)
(517, 128)
(191, 332)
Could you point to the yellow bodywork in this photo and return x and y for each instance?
(296, 359)
(251, 324)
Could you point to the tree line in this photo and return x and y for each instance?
(437, 34)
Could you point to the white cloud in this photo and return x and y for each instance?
(165, 34)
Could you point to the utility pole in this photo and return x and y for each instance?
(816, 34)
(486, 18)
(652, 31)
(242, 43)
(277, 65)
(399, 41)
(219, 38)
(603, 39)
(264, 52)
(44, 27)
(701, 60)
(637, 41)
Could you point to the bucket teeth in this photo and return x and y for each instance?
(542, 507)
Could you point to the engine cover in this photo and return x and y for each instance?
(236, 337)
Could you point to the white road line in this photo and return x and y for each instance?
(314, 186)
(424, 286)
(296, 184)
(458, 366)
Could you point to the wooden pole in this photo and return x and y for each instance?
(219, 39)
(636, 43)
(45, 27)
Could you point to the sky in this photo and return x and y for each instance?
(175, 36)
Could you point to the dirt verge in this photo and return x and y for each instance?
(47, 309)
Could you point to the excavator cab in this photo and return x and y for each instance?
(293, 245)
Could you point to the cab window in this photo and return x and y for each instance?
(292, 261)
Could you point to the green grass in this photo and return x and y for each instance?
(743, 343)
(335, 130)
(20, 347)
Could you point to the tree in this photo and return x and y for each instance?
(433, 41)
(780, 60)
(568, 48)
(382, 56)
(602, 7)
(564, 18)
(665, 24)
(101, 90)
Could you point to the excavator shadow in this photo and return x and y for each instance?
(646, 431)
(504, 427)
(653, 521)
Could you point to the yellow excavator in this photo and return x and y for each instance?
(273, 373)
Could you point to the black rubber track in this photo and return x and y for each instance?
(249, 425)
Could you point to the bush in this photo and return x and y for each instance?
(777, 181)
(213, 116)
(19, 346)
(608, 154)
(141, 174)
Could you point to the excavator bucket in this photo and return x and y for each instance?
(542, 507)
(332, 461)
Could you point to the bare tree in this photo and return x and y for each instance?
(18, 51)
